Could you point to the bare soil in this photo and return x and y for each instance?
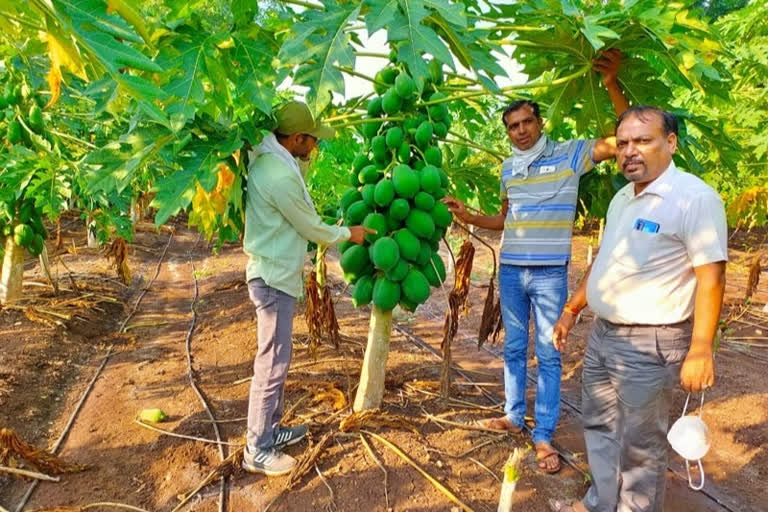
(45, 368)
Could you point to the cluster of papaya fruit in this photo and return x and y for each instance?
(397, 183)
(25, 224)
(21, 109)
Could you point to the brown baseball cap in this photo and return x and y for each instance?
(295, 117)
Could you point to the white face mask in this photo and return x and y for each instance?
(689, 437)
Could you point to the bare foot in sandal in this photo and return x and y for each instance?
(561, 506)
(502, 423)
(547, 458)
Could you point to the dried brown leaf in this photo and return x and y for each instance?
(118, 251)
(754, 276)
(12, 446)
(375, 418)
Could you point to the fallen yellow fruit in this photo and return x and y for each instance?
(152, 415)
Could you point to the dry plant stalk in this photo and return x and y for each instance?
(375, 418)
(36, 316)
(499, 323)
(491, 323)
(320, 313)
(231, 466)
(754, 276)
(457, 300)
(427, 385)
(432, 480)
(13, 447)
(491, 314)
(305, 464)
(83, 508)
(118, 251)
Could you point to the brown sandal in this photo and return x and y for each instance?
(562, 506)
(501, 424)
(543, 466)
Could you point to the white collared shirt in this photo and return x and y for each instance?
(643, 273)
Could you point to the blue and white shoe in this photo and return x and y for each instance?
(287, 436)
(268, 462)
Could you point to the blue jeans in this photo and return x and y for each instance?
(543, 289)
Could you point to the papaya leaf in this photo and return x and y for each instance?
(254, 56)
(188, 86)
(380, 13)
(91, 16)
(417, 39)
(452, 12)
(320, 45)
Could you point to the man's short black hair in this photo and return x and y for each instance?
(517, 105)
(668, 119)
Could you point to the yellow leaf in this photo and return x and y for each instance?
(54, 84)
(218, 202)
(130, 15)
(689, 60)
(203, 212)
(225, 177)
(227, 43)
(62, 53)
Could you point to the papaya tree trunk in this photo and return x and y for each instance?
(12, 274)
(135, 215)
(45, 265)
(371, 388)
(91, 230)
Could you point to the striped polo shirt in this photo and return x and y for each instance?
(542, 206)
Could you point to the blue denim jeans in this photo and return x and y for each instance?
(542, 289)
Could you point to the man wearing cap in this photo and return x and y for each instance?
(661, 264)
(539, 189)
(279, 220)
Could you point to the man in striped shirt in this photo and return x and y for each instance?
(539, 187)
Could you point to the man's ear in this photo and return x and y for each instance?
(672, 142)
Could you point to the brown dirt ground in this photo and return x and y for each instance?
(44, 370)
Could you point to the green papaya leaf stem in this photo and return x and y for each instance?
(462, 141)
(300, 3)
(364, 121)
(352, 72)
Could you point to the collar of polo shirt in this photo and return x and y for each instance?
(661, 186)
(549, 149)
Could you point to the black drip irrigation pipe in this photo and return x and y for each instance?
(198, 392)
(73, 416)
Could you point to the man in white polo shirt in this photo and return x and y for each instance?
(656, 288)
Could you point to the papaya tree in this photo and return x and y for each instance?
(35, 178)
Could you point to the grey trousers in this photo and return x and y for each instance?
(274, 312)
(629, 373)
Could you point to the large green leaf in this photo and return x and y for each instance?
(380, 12)
(187, 85)
(254, 53)
(320, 45)
(416, 38)
(101, 34)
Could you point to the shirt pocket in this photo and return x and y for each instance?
(637, 247)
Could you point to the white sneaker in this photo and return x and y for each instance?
(268, 462)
